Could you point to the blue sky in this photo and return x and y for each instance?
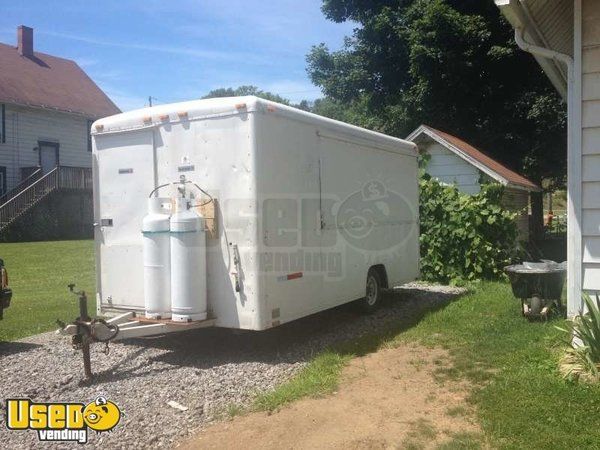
(179, 50)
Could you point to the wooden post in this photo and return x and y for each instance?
(537, 215)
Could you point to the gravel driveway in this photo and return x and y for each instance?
(204, 370)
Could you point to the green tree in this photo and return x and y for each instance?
(451, 64)
(246, 90)
(355, 112)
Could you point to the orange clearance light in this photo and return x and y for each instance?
(164, 117)
(240, 106)
(99, 127)
(182, 114)
(271, 108)
(147, 119)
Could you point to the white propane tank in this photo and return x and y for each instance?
(157, 259)
(188, 264)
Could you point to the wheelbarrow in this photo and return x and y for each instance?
(538, 285)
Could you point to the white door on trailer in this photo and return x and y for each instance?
(372, 219)
(341, 175)
(290, 249)
(126, 178)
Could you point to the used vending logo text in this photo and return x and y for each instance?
(57, 421)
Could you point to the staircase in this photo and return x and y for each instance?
(59, 178)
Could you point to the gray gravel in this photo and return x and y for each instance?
(203, 370)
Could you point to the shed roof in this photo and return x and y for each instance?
(51, 82)
(472, 155)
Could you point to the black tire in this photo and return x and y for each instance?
(373, 292)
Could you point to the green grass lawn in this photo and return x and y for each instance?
(39, 273)
(520, 399)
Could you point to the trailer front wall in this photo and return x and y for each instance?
(217, 155)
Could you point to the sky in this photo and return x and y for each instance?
(175, 50)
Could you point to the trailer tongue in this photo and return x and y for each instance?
(85, 331)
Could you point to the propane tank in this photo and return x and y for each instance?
(157, 266)
(188, 264)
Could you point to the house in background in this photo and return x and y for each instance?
(47, 105)
(453, 161)
(564, 37)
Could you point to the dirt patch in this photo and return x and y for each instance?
(387, 399)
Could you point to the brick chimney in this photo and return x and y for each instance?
(25, 41)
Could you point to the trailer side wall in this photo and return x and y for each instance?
(332, 205)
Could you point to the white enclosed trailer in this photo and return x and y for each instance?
(307, 212)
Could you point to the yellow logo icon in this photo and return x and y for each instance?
(101, 415)
(56, 422)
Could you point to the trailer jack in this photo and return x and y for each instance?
(84, 331)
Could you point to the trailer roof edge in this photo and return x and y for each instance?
(194, 110)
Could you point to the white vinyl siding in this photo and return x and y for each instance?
(26, 126)
(590, 78)
(591, 275)
(591, 141)
(449, 168)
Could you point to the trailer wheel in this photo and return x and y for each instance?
(373, 290)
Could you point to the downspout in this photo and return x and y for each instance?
(545, 52)
(574, 238)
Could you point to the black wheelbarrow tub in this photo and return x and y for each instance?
(537, 279)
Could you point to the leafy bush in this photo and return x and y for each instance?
(581, 361)
(464, 237)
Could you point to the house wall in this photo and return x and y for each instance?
(449, 168)
(26, 126)
(590, 85)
